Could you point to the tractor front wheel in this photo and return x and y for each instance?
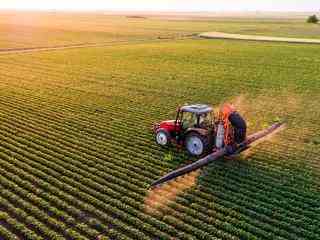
(196, 144)
(162, 137)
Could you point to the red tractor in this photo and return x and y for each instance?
(196, 128)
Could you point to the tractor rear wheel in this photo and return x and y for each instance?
(196, 144)
(163, 137)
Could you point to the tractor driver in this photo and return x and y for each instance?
(204, 121)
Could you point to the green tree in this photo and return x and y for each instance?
(313, 19)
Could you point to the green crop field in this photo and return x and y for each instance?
(77, 153)
(34, 30)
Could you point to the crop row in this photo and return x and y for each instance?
(88, 167)
(43, 198)
(30, 214)
(74, 183)
(20, 230)
(287, 220)
(210, 229)
(23, 85)
(75, 198)
(64, 177)
(86, 74)
(95, 137)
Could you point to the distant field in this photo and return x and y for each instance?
(77, 153)
(29, 30)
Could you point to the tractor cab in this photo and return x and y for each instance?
(192, 128)
(195, 116)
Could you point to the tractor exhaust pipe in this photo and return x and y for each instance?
(216, 155)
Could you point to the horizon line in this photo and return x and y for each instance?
(153, 11)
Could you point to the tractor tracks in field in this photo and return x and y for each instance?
(5, 51)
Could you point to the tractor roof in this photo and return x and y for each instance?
(197, 108)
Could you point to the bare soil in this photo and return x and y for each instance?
(221, 35)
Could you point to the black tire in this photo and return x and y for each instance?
(240, 127)
(163, 137)
(192, 144)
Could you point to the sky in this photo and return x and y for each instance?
(165, 5)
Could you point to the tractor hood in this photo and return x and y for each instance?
(168, 125)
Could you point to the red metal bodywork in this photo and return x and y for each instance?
(173, 127)
(170, 126)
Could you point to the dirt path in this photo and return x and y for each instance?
(221, 35)
(4, 51)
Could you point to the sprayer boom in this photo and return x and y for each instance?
(216, 155)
